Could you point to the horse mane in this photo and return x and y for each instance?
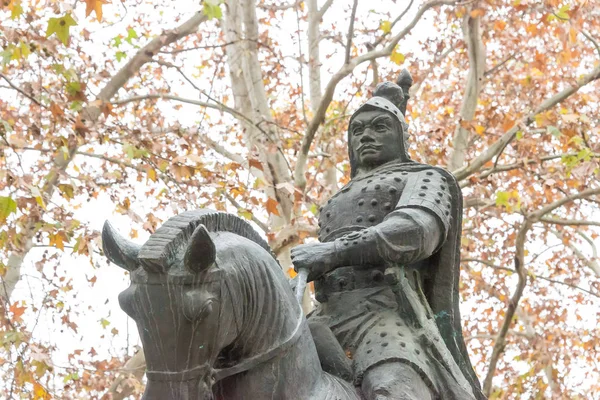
(159, 252)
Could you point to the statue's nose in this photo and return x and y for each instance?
(367, 136)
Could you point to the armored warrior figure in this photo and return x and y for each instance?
(386, 269)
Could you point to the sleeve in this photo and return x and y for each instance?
(415, 230)
(428, 190)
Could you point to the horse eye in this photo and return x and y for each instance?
(197, 305)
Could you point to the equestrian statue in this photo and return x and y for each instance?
(219, 319)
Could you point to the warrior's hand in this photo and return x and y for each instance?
(317, 258)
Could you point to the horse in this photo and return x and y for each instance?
(217, 316)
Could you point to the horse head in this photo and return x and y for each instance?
(185, 315)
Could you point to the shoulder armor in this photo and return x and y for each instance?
(428, 190)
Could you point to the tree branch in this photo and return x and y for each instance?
(237, 205)
(522, 274)
(18, 89)
(476, 51)
(350, 32)
(591, 39)
(545, 278)
(90, 116)
(497, 147)
(569, 222)
(537, 215)
(344, 71)
(216, 106)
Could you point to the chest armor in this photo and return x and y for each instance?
(362, 203)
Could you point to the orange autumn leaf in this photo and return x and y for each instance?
(94, 6)
(272, 207)
(17, 312)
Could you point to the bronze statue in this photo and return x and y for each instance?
(386, 271)
(219, 320)
(216, 314)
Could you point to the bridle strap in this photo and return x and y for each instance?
(179, 376)
(252, 362)
(222, 373)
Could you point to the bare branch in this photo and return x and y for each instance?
(382, 37)
(90, 115)
(520, 164)
(224, 152)
(216, 106)
(591, 39)
(350, 32)
(537, 215)
(569, 222)
(533, 276)
(24, 93)
(496, 67)
(324, 8)
(237, 205)
(476, 50)
(135, 368)
(344, 71)
(497, 147)
(522, 274)
(281, 7)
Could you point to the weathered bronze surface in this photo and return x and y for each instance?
(219, 320)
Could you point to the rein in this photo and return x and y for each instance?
(218, 374)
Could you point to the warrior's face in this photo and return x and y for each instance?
(375, 138)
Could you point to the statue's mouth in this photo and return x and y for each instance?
(368, 147)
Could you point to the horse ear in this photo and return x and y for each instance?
(201, 252)
(119, 250)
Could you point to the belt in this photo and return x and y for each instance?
(349, 278)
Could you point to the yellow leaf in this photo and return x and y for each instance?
(39, 392)
(385, 26)
(396, 57)
(479, 129)
(152, 174)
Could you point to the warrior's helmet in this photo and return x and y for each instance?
(392, 98)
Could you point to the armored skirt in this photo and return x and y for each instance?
(373, 328)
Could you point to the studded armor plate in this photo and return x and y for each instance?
(373, 197)
(366, 203)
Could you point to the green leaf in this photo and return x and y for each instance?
(5, 126)
(73, 88)
(5, 56)
(60, 27)
(562, 12)
(134, 152)
(519, 135)
(71, 377)
(117, 41)
(66, 191)
(554, 131)
(120, 55)
(212, 9)
(104, 322)
(502, 199)
(131, 34)
(7, 207)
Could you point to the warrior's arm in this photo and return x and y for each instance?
(412, 232)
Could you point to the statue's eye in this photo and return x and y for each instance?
(380, 127)
(357, 130)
